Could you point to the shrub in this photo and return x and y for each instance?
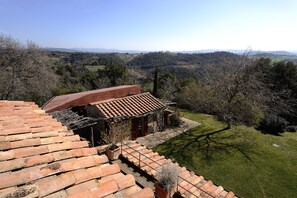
(273, 124)
(291, 128)
(167, 176)
(175, 119)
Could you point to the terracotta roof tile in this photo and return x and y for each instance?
(55, 183)
(125, 183)
(125, 192)
(230, 195)
(18, 137)
(6, 155)
(59, 194)
(29, 151)
(73, 153)
(9, 131)
(130, 106)
(7, 191)
(12, 164)
(5, 146)
(2, 138)
(113, 186)
(41, 158)
(83, 175)
(51, 140)
(145, 193)
(110, 177)
(82, 162)
(88, 151)
(25, 143)
(46, 134)
(67, 145)
(109, 170)
(13, 179)
(82, 186)
(42, 129)
(83, 193)
(218, 190)
(29, 191)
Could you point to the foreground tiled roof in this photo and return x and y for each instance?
(62, 102)
(40, 158)
(129, 106)
(151, 161)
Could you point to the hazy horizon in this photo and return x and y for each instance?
(168, 25)
(102, 50)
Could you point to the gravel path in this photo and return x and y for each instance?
(157, 138)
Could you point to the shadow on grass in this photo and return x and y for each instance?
(267, 132)
(207, 144)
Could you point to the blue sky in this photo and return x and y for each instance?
(153, 25)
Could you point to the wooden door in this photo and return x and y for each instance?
(136, 128)
(139, 127)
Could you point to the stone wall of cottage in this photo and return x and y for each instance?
(92, 111)
(122, 130)
(152, 123)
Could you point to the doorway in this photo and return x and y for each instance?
(139, 127)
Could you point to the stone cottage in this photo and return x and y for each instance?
(135, 115)
(122, 109)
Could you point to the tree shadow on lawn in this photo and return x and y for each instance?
(208, 145)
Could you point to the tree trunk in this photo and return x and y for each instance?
(156, 84)
(229, 123)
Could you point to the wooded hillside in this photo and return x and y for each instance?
(237, 89)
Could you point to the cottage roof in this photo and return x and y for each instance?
(83, 98)
(129, 106)
(41, 158)
(72, 119)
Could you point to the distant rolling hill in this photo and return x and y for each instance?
(92, 50)
(180, 64)
(183, 65)
(286, 56)
(104, 50)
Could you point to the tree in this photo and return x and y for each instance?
(25, 72)
(168, 86)
(235, 95)
(250, 93)
(156, 84)
(281, 80)
(195, 96)
(117, 74)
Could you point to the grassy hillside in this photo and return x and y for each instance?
(241, 159)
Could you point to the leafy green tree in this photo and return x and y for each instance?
(116, 74)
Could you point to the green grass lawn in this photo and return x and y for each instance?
(241, 159)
